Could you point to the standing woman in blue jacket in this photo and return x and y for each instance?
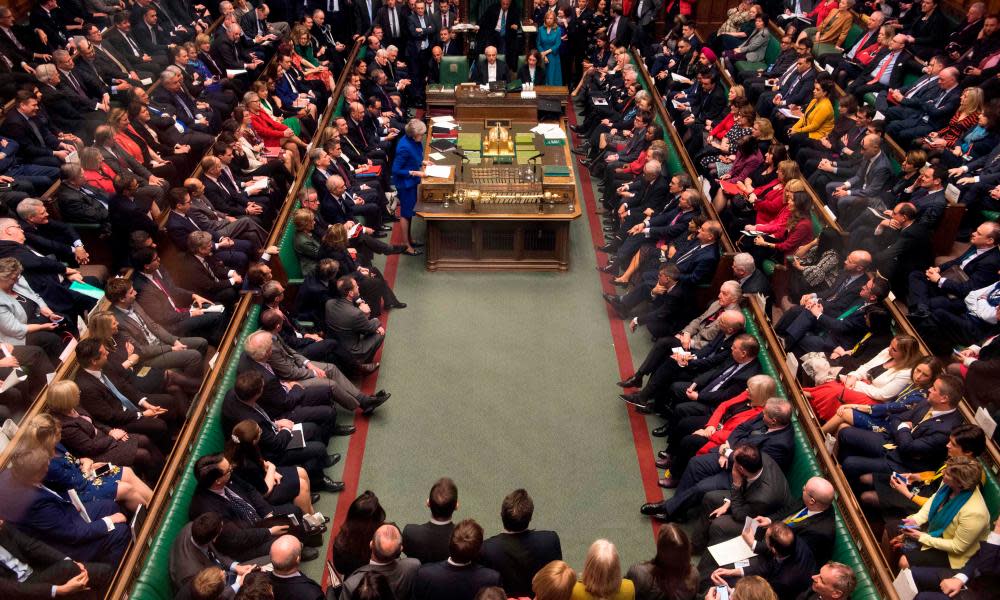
(407, 171)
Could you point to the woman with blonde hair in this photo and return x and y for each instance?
(67, 472)
(878, 380)
(304, 58)
(87, 439)
(752, 587)
(602, 575)
(964, 119)
(554, 581)
(947, 530)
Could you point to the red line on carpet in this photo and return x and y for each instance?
(640, 434)
(356, 447)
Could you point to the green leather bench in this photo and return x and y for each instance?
(804, 466)
(153, 582)
(853, 35)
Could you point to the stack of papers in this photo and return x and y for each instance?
(439, 171)
(444, 121)
(550, 131)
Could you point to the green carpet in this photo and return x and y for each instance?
(506, 380)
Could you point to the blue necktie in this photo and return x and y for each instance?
(126, 403)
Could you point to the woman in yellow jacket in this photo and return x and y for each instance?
(816, 122)
(947, 530)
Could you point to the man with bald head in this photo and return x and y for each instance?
(933, 114)
(286, 579)
(937, 288)
(386, 546)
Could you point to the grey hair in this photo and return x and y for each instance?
(247, 97)
(779, 409)
(257, 345)
(59, 55)
(414, 128)
(28, 207)
(315, 154)
(733, 287)
(744, 260)
(652, 167)
(46, 72)
(197, 239)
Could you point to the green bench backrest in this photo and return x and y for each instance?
(804, 466)
(153, 582)
(773, 50)
(853, 35)
(454, 70)
(289, 260)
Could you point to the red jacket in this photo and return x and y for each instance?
(770, 205)
(267, 128)
(731, 423)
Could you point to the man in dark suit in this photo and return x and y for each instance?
(148, 33)
(203, 272)
(712, 386)
(223, 196)
(393, 21)
(699, 358)
(230, 56)
(751, 279)
(795, 86)
(245, 535)
(885, 71)
(518, 553)
(155, 346)
(975, 268)
(194, 549)
(752, 492)
(182, 312)
(296, 403)
(240, 404)
(620, 29)
(787, 564)
(905, 101)
(459, 577)
(769, 434)
(914, 441)
(977, 580)
(933, 114)
(444, 15)
(429, 542)
(813, 521)
(347, 322)
(500, 27)
(834, 581)
(68, 111)
(491, 69)
(233, 241)
(121, 39)
(39, 145)
(387, 544)
(79, 202)
(365, 13)
(42, 513)
(46, 572)
(902, 244)
(287, 581)
(113, 402)
(866, 187)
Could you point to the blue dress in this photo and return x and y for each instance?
(878, 420)
(551, 41)
(64, 474)
(409, 157)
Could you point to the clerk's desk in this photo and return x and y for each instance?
(521, 219)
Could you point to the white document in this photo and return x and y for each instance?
(212, 361)
(436, 156)
(49, 377)
(146, 81)
(68, 350)
(877, 213)
(879, 116)
(529, 95)
(984, 420)
(749, 525)
(235, 72)
(529, 28)
(555, 133)
(298, 438)
(677, 104)
(257, 186)
(905, 587)
(951, 193)
(439, 171)
(829, 69)
(788, 113)
(443, 120)
(214, 308)
(730, 551)
(829, 212)
(680, 78)
(78, 505)
(16, 376)
(793, 363)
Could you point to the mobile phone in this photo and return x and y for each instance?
(58, 319)
(722, 592)
(899, 477)
(104, 470)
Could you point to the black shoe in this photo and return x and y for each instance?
(611, 299)
(396, 304)
(329, 485)
(634, 381)
(633, 399)
(662, 454)
(664, 462)
(398, 249)
(308, 554)
(344, 429)
(660, 431)
(314, 497)
(574, 128)
(373, 402)
(651, 508)
(385, 227)
(609, 268)
(332, 459)
(606, 248)
(579, 151)
(369, 367)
